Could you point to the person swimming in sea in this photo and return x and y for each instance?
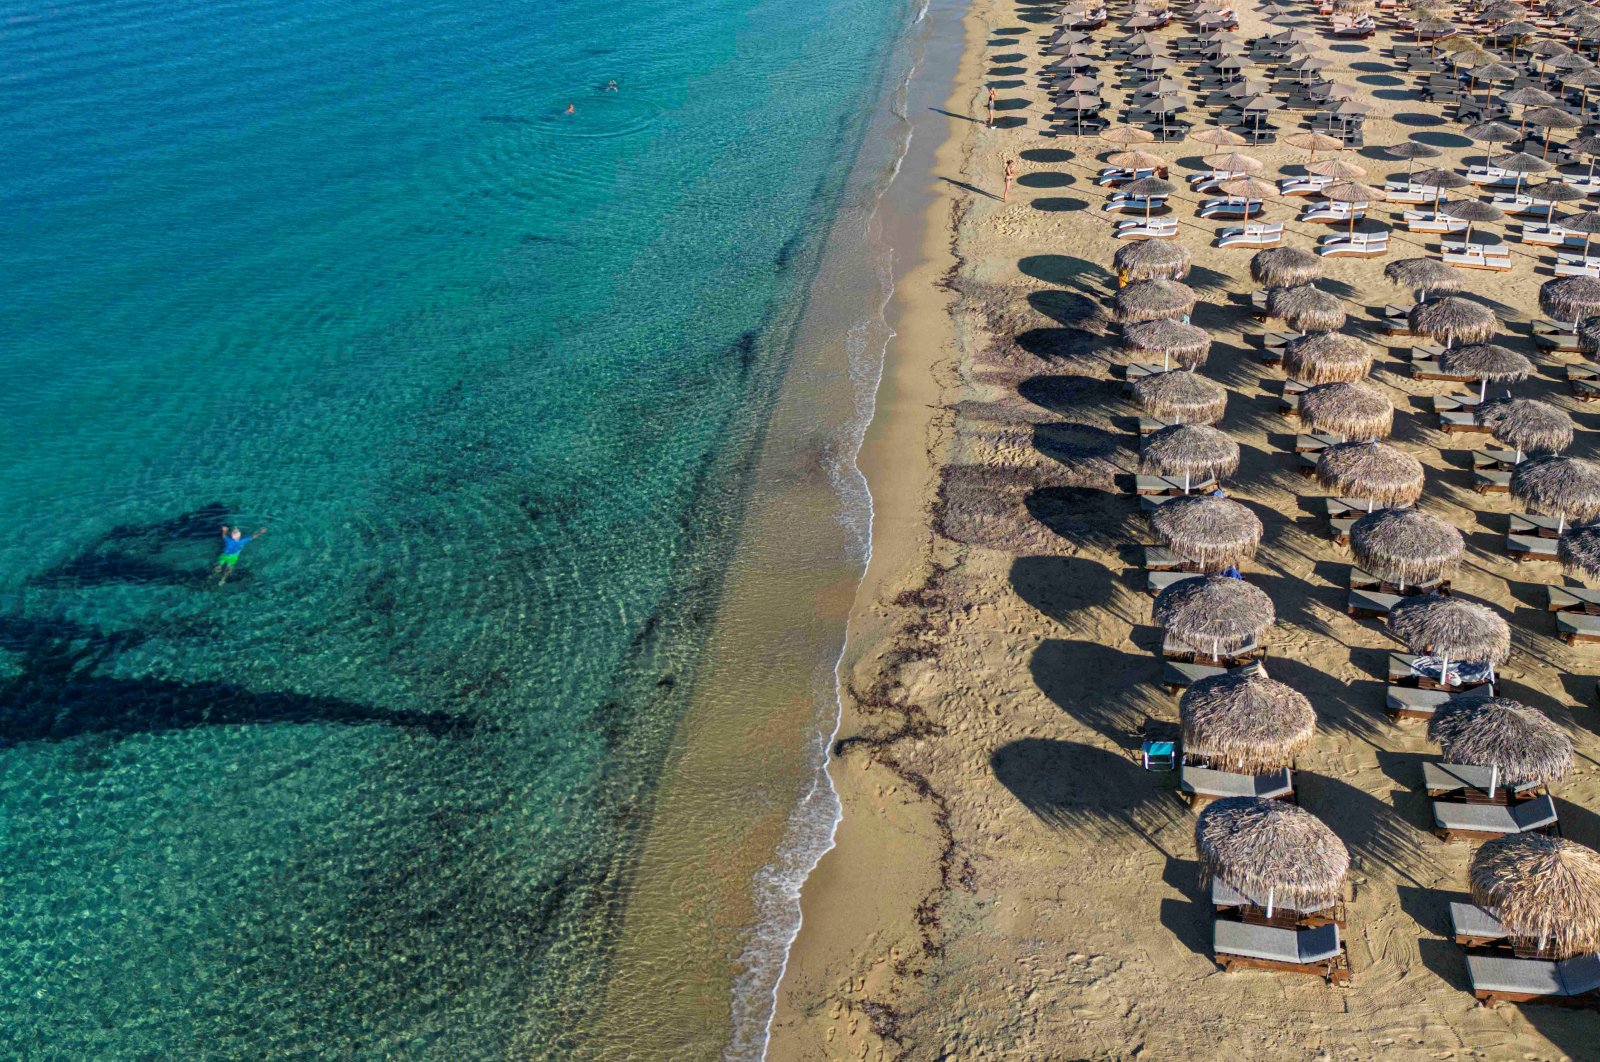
(234, 540)
(611, 86)
(570, 109)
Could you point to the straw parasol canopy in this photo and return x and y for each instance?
(1148, 300)
(1127, 134)
(1531, 426)
(1147, 259)
(1570, 298)
(1342, 168)
(1305, 308)
(1217, 136)
(1405, 546)
(1452, 628)
(1279, 267)
(1375, 471)
(1135, 159)
(1589, 335)
(1473, 212)
(1214, 533)
(1489, 362)
(1424, 276)
(1554, 191)
(1249, 188)
(1453, 320)
(1410, 151)
(1579, 551)
(1356, 410)
(1564, 487)
(1234, 162)
(1545, 891)
(1271, 848)
(1245, 722)
(1521, 742)
(1313, 142)
(1181, 396)
(1214, 613)
(1173, 340)
(1327, 357)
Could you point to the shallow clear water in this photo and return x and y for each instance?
(492, 376)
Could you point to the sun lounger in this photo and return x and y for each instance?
(1583, 182)
(1454, 421)
(1405, 192)
(1151, 425)
(1490, 176)
(1408, 702)
(1173, 485)
(1230, 207)
(1498, 979)
(1584, 382)
(1520, 547)
(1428, 221)
(1235, 902)
(1447, 779)
(1201, 785)
(1498, 263)
(1410, 669)
(1576, 627)
(1519, 203)
(1396, 320)
(1473, 927)
(1310, 184)
(1454, 821)
(1113, 176)
(1135, 204)
(1572, 268)
(1155, 582)
(1332, 213)
(1316, 950)
(1375, 245)
(1578, 259)
(1251, 236)
(1175, 675)
(1542, 234)
(1557, 342)
(1571, 599)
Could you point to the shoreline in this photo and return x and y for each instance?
(1005, 880)
(739, 817)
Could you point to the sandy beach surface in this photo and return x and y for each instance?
(1007, 881)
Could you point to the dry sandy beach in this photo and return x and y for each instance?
(1008, 882)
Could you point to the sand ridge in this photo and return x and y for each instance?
(1008, 882)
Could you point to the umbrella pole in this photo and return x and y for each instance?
(1271, 895)
(1483, 391)
(1444, 671)
(1494, 782)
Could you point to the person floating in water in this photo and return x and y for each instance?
(234, 540)
(570, 109)
(611, 86)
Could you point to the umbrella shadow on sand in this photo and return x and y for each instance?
(1091, 794)
(1107, 690)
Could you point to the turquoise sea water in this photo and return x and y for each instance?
(490, 374)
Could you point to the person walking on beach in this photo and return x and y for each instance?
(1011, 173)
(991, 108)
(234, 540)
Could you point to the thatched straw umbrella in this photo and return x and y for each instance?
(1214, 612)
(1379, 473)
(1579, 550)
(1274, 849)
(1553, 192)
(1356, 410)
(1490, 362)
(1173, 340)
(1129, 134)
(1520, 744)
(1327, 357)
(1133, 158)
(1234, 162)
(1424, 276)
(1280, 267)
(1453, 320)
(1550, 119)
(1190, 450)
(1148, 259)
(1567, 488)
(1313, 142)
(1342, 169)
(1473, 212)
(1589, 334)
(1545, 891)
(1570, 298)
(1149, 300)
(1521, 163)
(1181, 396)
(1149, 189)
(1528, 425)
(1218, 136)
(1353, 192)
(1245, 722)
(1213, 533)
(1441, 180)
(1451, 629)
(1405, 546)
(1306, 308)
(1409, 152)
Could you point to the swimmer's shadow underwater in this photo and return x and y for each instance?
(58, 679)
(166, 552)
